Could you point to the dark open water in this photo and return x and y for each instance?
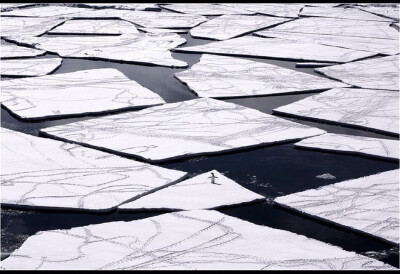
(270, 171)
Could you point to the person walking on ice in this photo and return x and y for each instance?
(213, 178)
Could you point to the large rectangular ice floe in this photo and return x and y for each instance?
(39, 173)
(13, 51)
(205, 9)
(372, 147)
(369, 204)
(75, 93)
(223, 77)
(251, 46)
(362, 108)
(139, 48)
(28, 67)
(229, 26)
(95, 27)
(341, 13)
(187, 240)
(199, 192)
(183, 129)
(27, 26)
(342, 27)
(376, 73)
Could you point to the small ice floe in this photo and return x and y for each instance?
(375, 73)
(95, 27)
(252, 46)
(28, 68)
(75, 93)
(205, 191)
(326, 176)
(196, 239)
(192, 128)
(361, 108)
(223, 77)
(369, 205)
(229, 26)
(359, 145)
(39, 173)
(10, 51)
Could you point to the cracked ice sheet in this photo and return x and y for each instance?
(186, 240)
(139, 48)
(26, 26)
(279, 10)
(75, 93)
(206, 9)
(28, 67)
(14, 51)
(383, 46)
(341, 13)
(375, 73)
(373, 147)
(252, 46)
(97, 27)
(229, 26)
(388, 12)
(196, 193)
(52, 12)
(144, 6)
(363, 108)
(151, 133)
(367, 204)
(224, 77)
(40, 173)
(340, 27)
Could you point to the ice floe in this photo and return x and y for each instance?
(252, 46)
(373, 147)
(14, 51)
(11, 6)
(388, 12)
(279, 10)
(139, 48)
(220, 76)
(40, 173)
(375, 45)
(326, 176)
(367, 204)
(28, 68)
(363, 108)
(341, 13)
(187, 240)
(75, 93)
(342, 27)
(375, 73)
(95, 27)
(51, 12)
(160, 30)
(229, 26)
(198, 192)
(151, 134)
(126, 6)
(27, 26)
(205, 9)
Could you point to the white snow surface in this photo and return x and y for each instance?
(188, 240)
(205, 9)
(27, 26)
(28, 67)
(14, 51)
(97, 27)
(368, 204)
(341, 13)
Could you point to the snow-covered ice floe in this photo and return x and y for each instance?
(279, 10)
(363, 108)
(75, 93)
(375, 73)
(368, 204)
(13, 51)
(372, 147)
(205, 9)
(95, 27)
(161, 30)
(184, 129)
(28, 68)
(341, 27)
(341, 13)
(39, 173)
(11, 6)
(27, 26)
(388, 12)
(126, 6)
(374, 45)
(223, 77)
(51, 12)
(252, 46)
(229, 26)
(141, 48)
(199, 192)
(187, 240)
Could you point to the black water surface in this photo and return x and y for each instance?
(270, 171)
